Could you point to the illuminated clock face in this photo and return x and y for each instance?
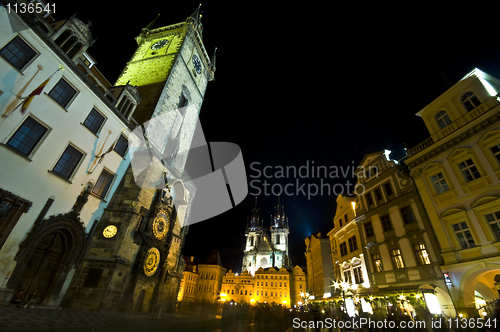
(197, 63)
(151, 262)
(159, 44)
(161, 225)
(109, 231)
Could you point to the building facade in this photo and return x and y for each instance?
(270, 285)
(401, 250)
(211, 274)
(346, 245)
(65, 136)
(320, 273)
(457, 173)
(189, 280)
(266, 248)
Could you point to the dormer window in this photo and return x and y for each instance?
(126, 106)
(69, 43)
(442, 119)
(470, 101)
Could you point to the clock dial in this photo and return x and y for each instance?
(161, 225)
(109, 231)
(159, 44)
(151, 262)
(197, 63)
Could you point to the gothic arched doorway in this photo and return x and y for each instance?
(40, 273)
(47, 255)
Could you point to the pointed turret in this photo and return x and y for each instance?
(212, 60)
(151, 25)
(195, 18)
(255, 222)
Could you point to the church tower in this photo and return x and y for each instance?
(279, 228)
(266, 247)
(133, 260)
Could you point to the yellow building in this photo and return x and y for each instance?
(270, 285)
(211, 273)
(457, 172)
(319, 265)
(347, 250)
(188, 282)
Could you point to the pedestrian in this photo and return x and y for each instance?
(18, 298)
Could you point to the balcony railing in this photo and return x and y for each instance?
(455, 125)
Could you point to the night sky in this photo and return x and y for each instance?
(300, 85)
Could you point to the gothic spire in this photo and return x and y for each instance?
(195, 16)
(151, 25)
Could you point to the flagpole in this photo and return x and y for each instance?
(5, 115)
(100, 152)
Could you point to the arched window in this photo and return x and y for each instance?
(470, 100)
(442, 119)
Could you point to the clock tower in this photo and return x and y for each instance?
(133, 258)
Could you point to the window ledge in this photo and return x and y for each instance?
(8, 147)
(59, 105)
(60, 176)
(96, 135)
(98, 197)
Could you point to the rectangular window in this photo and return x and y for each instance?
(347, 276)
(345, 218)
(407, 214)
(94, 121)
(494, 221)
(439, 183)
(121, 146)
(378, 195)
(463, 235)
(377, 262)
(62, 93)
(103, 183)
(469, 170)
(343, 249)
(496, 152)
(397, 259)
(68, 162)
(17, 53)
(369, 199)
(27, 137)
(369, 229)
(340, 222)
(353, 244)
(386, 223)
(421, 253)
(388, 189)
(358, 274)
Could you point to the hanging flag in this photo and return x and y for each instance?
(111, 148)
(32, 95)
(101, 156)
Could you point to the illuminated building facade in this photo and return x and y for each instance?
(211, 274)
(265, 248)
(457, 172)
(401, 251)
(347, 250)
(320, 274)
(62, 158)
(188, 283)
(269, 285)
